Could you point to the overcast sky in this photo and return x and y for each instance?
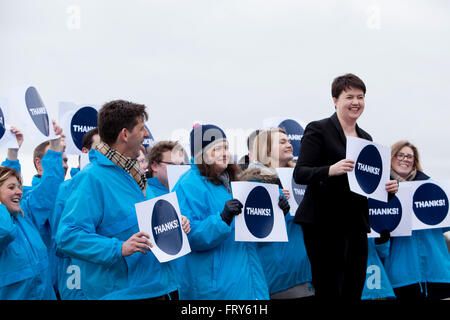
(235, 63)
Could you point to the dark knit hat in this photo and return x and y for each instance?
(203, 135)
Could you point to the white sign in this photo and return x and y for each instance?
(261, 219)
(429, 203)
(393, 216)
(174, 172)
(7, 138)
(160, 217)
(372, 168)
(76, 121)
(39, 122)
(296, 191)
(84, 160)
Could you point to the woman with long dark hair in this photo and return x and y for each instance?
(218, 267)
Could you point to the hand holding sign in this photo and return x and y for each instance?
(57, 144)
(13, 152)
(18, 134)
(185, 224)
(392, 186)
(232, 208)
(138, 242)
(341, 167)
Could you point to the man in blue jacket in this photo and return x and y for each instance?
(99, 227)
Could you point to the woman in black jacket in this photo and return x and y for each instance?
(335, 220)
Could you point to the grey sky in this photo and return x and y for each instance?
(236, 62)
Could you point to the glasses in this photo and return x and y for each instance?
(401, 156)
(172, 163)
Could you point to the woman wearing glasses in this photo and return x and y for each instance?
(418, 266)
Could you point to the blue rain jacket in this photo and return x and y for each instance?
(218, 268)
(63, 267)
(25, 272)
(421, 257)
(377, 285)
(98, 217)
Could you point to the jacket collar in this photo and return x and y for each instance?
(97, 157)
(154, 182)
(338, 127)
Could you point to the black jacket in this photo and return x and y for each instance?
(328, 201)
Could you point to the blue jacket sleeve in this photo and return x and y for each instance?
(12, 164)
(7, 228)
(39, 202)
(208, 230)
(82, 214)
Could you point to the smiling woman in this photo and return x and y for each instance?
(328, 204)
(24, 272)
(10, 189)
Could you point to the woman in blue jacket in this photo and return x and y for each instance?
(24, 266)
(419, 265)
(286, 264)
(218, 267)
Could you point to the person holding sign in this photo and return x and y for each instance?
(161, 154)
(99, 226)
(418, 266)
(218, 268)
(24, 264)
(12, 157)
(338, 263)
(286, 265)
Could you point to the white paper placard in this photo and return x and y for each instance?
(429, 203)
(296, 191)
(7, 138)
(39, 121)
(372, 168)
(261, 219)
(160, 217)
(76, 120)
(394, 215)
(174, 172)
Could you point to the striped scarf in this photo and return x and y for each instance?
(129, 165)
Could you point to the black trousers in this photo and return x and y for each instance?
(423, 291)
(338, 261)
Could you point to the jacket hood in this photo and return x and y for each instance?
(260, 175)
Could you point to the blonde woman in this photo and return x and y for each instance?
(286, 265)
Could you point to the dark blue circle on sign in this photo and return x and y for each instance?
(84, 120)
(430, 204)
(385, 215)
(37, 110)
(166, 228)
(298, 190)
(258, 212)
(2, 123)
(368, 169)
(294, 132)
